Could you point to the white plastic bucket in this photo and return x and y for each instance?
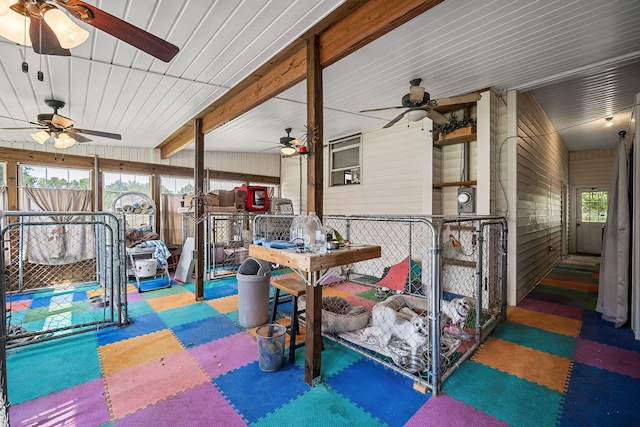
(146, 267)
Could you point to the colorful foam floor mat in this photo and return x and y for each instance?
(554, 362)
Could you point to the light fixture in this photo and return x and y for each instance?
(41, 137)
(14, 26)
(4, 7)
(417, 115)
(69, 34)
(64, 140)
(15, 23)
(287, 151)
(609, 121)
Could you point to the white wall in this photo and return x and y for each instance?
(392, 175)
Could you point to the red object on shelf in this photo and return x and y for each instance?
(303, 149)
(257, 199)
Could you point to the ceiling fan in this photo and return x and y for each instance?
(51, 32)
(61, 128)
(418, 102)
(288, 143)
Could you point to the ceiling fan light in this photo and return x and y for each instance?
(14, 26)
(64, 140)
(287, 151)
(4, 7)
(69, 34)
(40, 137)
(609, 121)
(417, 115)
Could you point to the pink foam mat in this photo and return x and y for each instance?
(82, 405)
(614, 359)
(446, 411)
(138, 387)
(226, 354)
(202, 405)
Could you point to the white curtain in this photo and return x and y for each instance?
(62, 242)
(613, 290)
(635, 226)
(3, 198)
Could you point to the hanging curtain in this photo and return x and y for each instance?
(60, 243)
(635, 226)
(170, 219)
(3, 198)
(613, 290)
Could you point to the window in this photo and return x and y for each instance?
(177, 185)
(594, 206)
(3, 174)
(118, 183)
(344, 160)
(55, 178)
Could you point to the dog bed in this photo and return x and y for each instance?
(338, 315)
(420, 305)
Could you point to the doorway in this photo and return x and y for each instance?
(590, 219)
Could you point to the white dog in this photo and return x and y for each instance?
(388, 323)
(457, 310)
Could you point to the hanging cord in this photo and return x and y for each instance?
(25, 65)
(40, 74)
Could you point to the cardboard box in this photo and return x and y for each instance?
(209, 200)
(227, 198)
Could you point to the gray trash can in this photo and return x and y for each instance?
(253, 292)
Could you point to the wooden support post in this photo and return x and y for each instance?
(12, 185)
(199, 211)
(156, 187)
(314, 203)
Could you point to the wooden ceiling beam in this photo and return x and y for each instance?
(112, 165)
(351, 26)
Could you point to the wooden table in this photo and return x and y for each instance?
(310, 266)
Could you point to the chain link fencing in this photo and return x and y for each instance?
(460, 260)
(61, 273)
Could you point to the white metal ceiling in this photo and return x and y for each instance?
(579, 56)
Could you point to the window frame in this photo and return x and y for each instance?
(107, 206)
(347, 170)
(69, 171)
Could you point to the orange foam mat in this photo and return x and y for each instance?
(570, 285)
(125, 354)
(172, 301)
(549, 322)
(533, 365)
(225, 305)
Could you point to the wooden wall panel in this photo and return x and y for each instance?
(542, 170)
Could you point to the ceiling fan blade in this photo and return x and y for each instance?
(396, 120)
(462, 99)
(136, 37)
(96, 133)
(78, 137)
(380, 109)
(20, 120)
(436, 117)
(44, 40)
(61, 121)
